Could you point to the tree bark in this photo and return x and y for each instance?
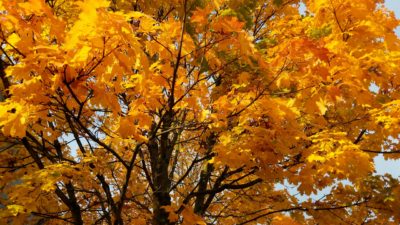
(162, 183)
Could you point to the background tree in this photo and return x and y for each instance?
(197, 111)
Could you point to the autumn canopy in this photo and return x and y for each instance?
(198, 112)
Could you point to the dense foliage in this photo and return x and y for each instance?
(198, 112)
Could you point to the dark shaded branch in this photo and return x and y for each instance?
(299, 208)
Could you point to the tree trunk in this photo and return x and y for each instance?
(162, 183)
(160, 216)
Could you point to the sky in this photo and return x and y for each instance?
(382, 166)
(390, 166)
(395, 6)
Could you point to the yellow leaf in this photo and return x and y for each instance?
(190, 218)
(15, 209)
(284, 220)
(82, 54)
(86, 25)
(322, 106)
(315, 157)
(217, 3)
(13, 39)
(172, 216)
(32, 6)
(200, 15)
(244, 77)
(13, 119)
(94, 4)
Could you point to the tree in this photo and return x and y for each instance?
(198, 112)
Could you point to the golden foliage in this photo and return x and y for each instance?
(198, 112)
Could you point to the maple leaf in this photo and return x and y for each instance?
(198, 112)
